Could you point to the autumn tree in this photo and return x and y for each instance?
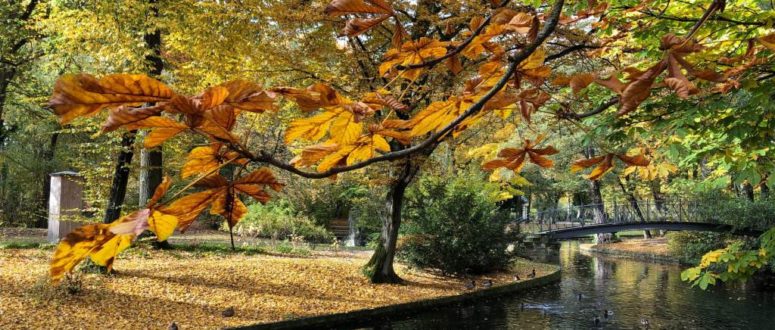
(441, 68)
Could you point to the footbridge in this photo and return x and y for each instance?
(670, 215)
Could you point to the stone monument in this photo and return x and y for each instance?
(65, 203)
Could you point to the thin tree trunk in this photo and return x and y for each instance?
(748, 191)
(659, 201)
(596, 198)
(634, 204)
(48, 157)
(380, 266)
(120, 177)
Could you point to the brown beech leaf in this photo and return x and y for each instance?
(768, 41)
(124, 115)
(639, 89)
(248, 96)
(188, 207)
(205, 160)
(341, 7)
(682, 87)
(313, 97)
(613, 83)
(580, 81)
(514, 159)
(357, 26)
(605, 164)
(83, 95)
(637, 160)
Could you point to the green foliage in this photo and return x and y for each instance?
(689, 246)
(733, 263)
(739, 212)
(455, 227)
(279, 220)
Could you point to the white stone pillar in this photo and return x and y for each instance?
(64, 204)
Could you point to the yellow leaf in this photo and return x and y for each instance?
(105, 255)
(344, 129)
(162, 224)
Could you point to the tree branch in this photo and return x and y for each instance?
(454, 51)
(514, 62)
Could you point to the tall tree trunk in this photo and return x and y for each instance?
(748, 190)
(151, 160)
(48, 157)
(120, 177)
(659, 201)
(380, 266)
(151, 172)
(634, 204)
(596, 197)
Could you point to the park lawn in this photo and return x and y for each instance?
(191, 288)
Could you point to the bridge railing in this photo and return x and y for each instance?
(621, 212)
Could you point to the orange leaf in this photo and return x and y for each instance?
(341, 7)
(83, 95)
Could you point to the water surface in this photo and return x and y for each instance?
(638, 294)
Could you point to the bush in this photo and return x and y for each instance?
(279, 220)
(454, 228)
(738, 212)
(689, 246)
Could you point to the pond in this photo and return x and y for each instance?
(637, 294)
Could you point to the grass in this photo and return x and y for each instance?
(26, 245)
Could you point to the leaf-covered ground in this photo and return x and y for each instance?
(154, 288)
(655, 246)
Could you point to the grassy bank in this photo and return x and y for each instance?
(192, 287)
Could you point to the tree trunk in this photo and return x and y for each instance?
(765, 193)
(748, 190)
(659, 202)
(634, 204)
(48, 157)
(151, 172)
(596, 198)
(379, 269)
(120, 177)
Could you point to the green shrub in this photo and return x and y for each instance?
(689, 246)
(454, 228)
(279, 220)
(736, 211)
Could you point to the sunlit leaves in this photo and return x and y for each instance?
(83, 95)
(514, 159)
(604, 164)
(412, 53)
(731, 263)
(379, 9)
(224, 195)
(205, 160)
(76, 246)
(768, 41)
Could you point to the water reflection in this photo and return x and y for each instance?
(637, 295)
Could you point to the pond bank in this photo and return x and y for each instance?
(654, 249)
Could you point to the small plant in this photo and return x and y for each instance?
(279, 221)
(73, 283)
